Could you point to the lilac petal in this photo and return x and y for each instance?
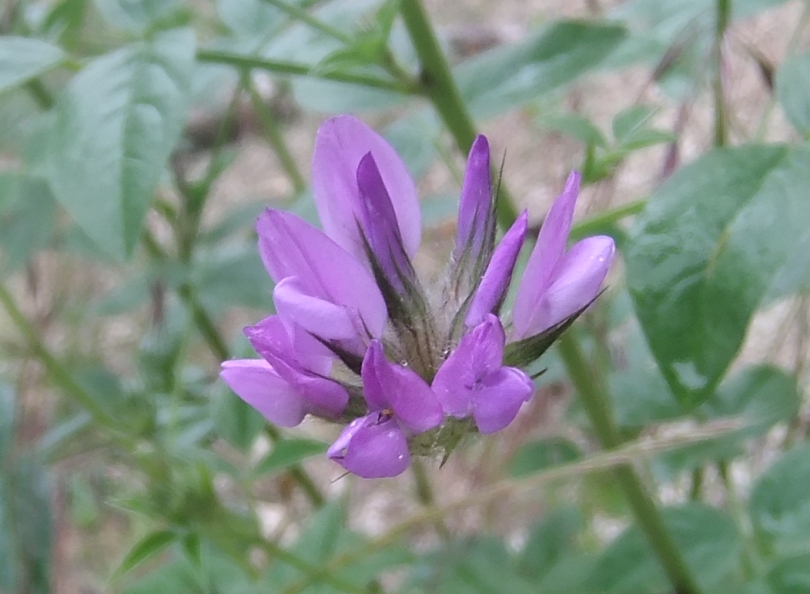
(339, 146)
(497, 402)
(476, 200)
(576, 283)
(372, 447)
(380, 224)
(271, 337)
(387, 385)
(291, 247)
(495, 282)
(324, 397)
(317, 316)
(478, 355)
(255, 382)
(546, 254)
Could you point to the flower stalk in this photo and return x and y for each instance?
(441, 89)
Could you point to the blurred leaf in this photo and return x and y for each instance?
(551, 540)
(9, 565)
(233, 276)
(505, 77)
(147, 547)
(27, 498)
(545, 453)
(288, 452)
(576, 126)
(706, 252)
(24, 58)
(790, 576)
(414, 137)
(236, 422)
(793, 91)
(115, 127)
(135, 15)
(238, 220)
(780, 502)
(630, 121)
(759, 395)
(707, 537)
(27, 224)
(328, 96)
(439, 208)
(478, 565)
(249, 18)
(7, 420)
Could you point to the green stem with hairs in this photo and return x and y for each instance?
(591, 393)
(439, 86)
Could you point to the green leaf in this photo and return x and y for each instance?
(790, 576)
(7, 420)
(630, 121)
(707, 537)
(576, 126)
(232, 276)
(542, 454)
(23, 58)
(149, 546)
(234, 420)
(551, 541)
(793, 91)
(780, 502)
(716, 240)
(759, 396)
(506, 77)
(288, 452)
(27, 224)
(115, 128)
(135, 15)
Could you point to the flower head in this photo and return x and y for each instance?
(359, 341)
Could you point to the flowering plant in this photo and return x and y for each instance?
(359, 339)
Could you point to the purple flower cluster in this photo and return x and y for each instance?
(358, 340)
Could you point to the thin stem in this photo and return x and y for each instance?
(440, 88)
(750, 557)
(723, 17)
(291, 68)
(646, 513)
(298, 13)
(275, 138)
(58, 373)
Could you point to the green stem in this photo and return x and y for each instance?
(723, 18)
(291, 68)
(646, 513)
(425, 496)
(750, 557)
(275, 138)
(54, 368)
(440, 88)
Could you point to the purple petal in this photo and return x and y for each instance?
(546, 254)
(291, 247)
(271, 337)
(340, 145)
(476, 200)
(387, 385)
(495, 282)
(478, 355)
(255, 382)
(380, 223)
(576, 283)
(372, 447)
(317, 316)
(497, 402)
